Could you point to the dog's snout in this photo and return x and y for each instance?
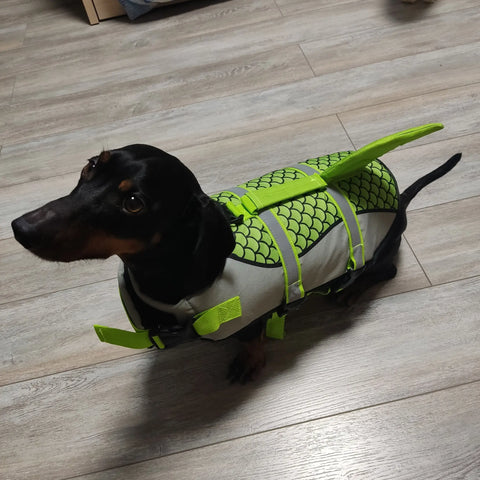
(23, 232)
(33, 227)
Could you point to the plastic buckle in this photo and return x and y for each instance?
(156, 341)
(239, 211)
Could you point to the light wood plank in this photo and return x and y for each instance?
(244, 113)
(123, 43)
(395, 79)
(288, 8)
(54, 332)
(158, 403)
(434, 32)
(11, 37)
(177, 41)
(393, 12)
(50, 93)
(192, 82)
(6, 89)
(23, 274)
(428, 437)
(30, 196)
(411, 163)
(456, 108)
(446, 240)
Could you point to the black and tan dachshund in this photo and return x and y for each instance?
(144, 205)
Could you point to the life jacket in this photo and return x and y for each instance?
(308, 228)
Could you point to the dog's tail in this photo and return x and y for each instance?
(412, 190)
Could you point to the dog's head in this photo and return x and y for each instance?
(126, 201)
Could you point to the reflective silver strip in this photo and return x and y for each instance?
(306, 169)
(353, 229)
(289, 257)
(238, 191)
(354, 234)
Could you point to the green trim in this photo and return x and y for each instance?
(210, 320)
(276, 327)
(124, 338)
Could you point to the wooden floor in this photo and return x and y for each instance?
(389, 389)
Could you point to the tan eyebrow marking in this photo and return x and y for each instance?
(104, 157)
(125, 185)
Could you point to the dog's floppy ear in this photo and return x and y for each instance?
(215, 240)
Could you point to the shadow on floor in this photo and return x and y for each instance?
(407, 12)
(186, 401)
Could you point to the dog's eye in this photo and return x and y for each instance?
(88, 168)
(133, 204)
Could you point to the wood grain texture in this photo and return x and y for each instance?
(429, 437)
(158, 403)
(446, 240)
(24, 197)
(54, 332)
(248, 112)
(411, 163)
(136, 96)
(419, 74)
(456, 107)
(435, 32)
(6, 89)
(385, 389)
(24, 275)
(12, 37)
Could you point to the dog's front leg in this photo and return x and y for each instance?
(249, 362)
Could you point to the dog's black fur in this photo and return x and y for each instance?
(144, 205)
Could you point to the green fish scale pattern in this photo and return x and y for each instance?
(373, 189)
(326, 161)
(307, 219)
(273, 178)
(253, 242)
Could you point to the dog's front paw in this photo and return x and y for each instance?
(249, 362)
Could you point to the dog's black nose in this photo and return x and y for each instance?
(23, 232)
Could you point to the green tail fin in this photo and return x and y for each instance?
(350, 165)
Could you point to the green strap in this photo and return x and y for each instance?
(276, 327)
(257, 200)
(124, 338)
(210, 321)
